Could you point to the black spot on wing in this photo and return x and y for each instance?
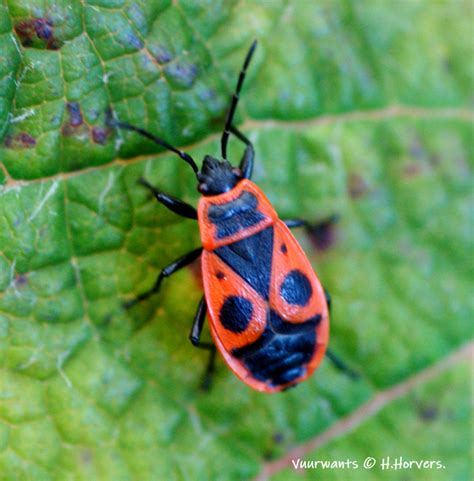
(251, 259)
(235, 313)
(296, 288)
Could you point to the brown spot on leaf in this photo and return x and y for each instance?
(161, 55)
(74, 125)
(357, 186)
(217, 121)
(37, 32)
(99, 135)
(75, 114)
(21, 140)
(323, 234)
(21, 280)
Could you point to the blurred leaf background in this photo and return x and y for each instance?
(359, 109)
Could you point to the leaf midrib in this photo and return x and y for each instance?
(385, 113)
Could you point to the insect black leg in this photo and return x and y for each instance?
(235, 100)
(209, 373)
(172, 203)
(246, 164)
(166, 272)
(328, 299)
(292, 223)
(322, 233)
(336, 360)
(195, 338)
(338, 363)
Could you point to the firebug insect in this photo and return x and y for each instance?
(268, 313)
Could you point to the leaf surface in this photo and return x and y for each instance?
(355, 112)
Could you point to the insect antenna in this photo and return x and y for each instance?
(111, 122)
(235, 100)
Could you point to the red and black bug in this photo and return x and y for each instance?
(268, 313)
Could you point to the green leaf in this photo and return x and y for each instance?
(359, 110)
(421, 434)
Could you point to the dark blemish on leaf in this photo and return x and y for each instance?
(37, 32)
(134, 41)
(278, 438)
(268, 455)
(20, 141)
(21, 280)
(183, 73)
(109, 117)
(74, 125)
(25, 31)
(44, 28)
(161, 55)
(218, 121)
(26, 139)
(99, 135)
(196, 272)
(323, 234)
(428, 413)
(357, 186)
(75, 115)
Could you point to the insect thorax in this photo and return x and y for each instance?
(234, 215)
